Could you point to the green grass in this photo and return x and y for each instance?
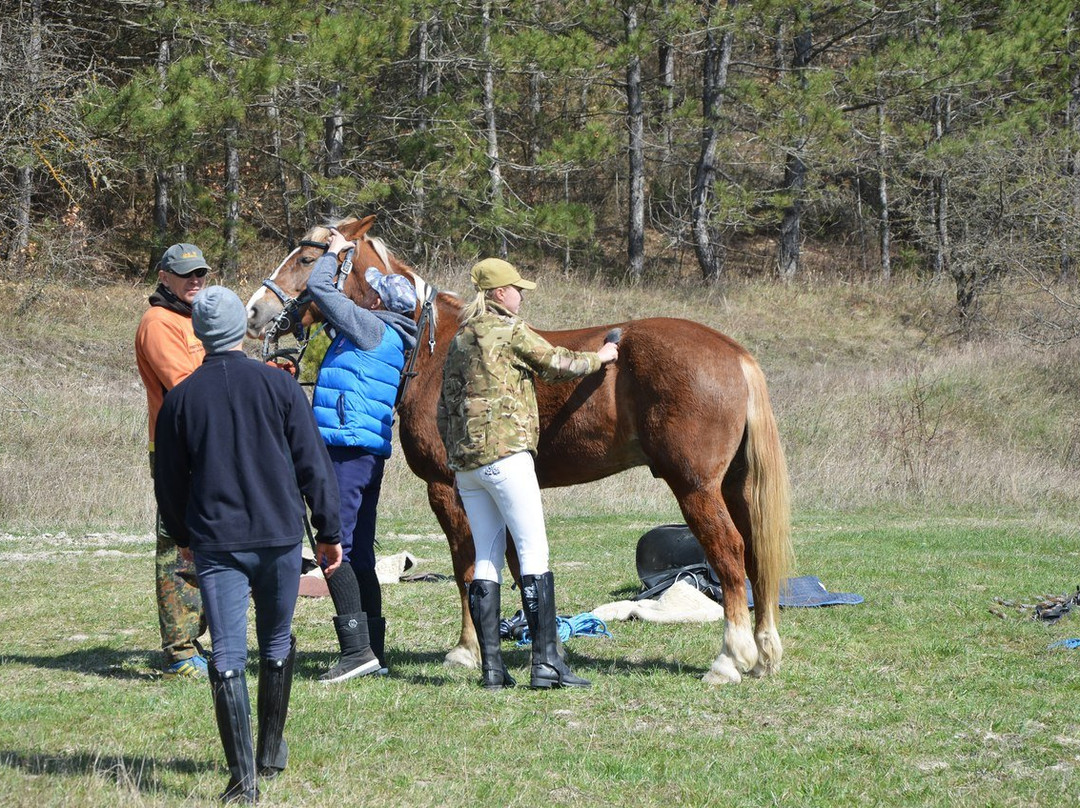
(930, 475)
(919, 696)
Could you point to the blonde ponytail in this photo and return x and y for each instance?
(475, 308)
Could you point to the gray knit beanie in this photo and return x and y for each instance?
(219, 318)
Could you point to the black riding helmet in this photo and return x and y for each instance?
(665, 548)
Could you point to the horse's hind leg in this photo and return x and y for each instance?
(448, 510)
(766, 634)
(709, 520)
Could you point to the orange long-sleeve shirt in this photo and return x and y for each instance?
(167, 351)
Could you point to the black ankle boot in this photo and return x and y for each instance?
(272, 705)
(484, 599)
(357, 658)
(549, 669)
(232, 709)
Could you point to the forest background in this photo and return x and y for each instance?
(687, 142)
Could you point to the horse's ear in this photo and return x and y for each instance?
(363, 226)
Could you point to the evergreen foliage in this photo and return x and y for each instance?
(937, 135)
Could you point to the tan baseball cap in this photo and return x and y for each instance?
(492, 273)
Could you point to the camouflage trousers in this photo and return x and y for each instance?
(180, 612)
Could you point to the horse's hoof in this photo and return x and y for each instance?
(461, 657)
(722, 672)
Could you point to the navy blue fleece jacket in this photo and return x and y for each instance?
(236, 447)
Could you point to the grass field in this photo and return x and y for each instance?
(918, 696)
(931, 475)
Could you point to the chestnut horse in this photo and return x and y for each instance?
(682, 399)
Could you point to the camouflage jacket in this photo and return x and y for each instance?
(488, 405)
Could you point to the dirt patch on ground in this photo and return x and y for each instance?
(51, 545)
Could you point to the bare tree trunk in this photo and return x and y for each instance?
(273, 113)
(334, 144)
(1070, 231)
(941, 109)
(635, 241)
(307, 193)
(666, 59)
(161, 171)
(181, 197)
(789, 245)
(715, 63)
(566, 198)
(883, 197)
(423, 84)
(25, 173)
(231, 262)
(536, 81)
(231, 258)
(495, 180)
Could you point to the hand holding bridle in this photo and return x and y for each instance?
(338, 242)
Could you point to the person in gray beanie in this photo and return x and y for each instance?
(219, 319)
(354, 407)
(238, 455)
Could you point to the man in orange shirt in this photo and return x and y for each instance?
(167, 351)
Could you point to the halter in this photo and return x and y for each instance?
(289, 319)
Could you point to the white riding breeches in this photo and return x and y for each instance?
(499, 496)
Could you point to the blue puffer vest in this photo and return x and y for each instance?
(355, 392)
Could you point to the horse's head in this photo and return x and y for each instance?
(284, 290)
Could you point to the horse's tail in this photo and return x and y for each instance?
(768, 492)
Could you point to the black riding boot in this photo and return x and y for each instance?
(484, 609)
(275, 687)
(549, 669)
(377, 636)
(232, 708)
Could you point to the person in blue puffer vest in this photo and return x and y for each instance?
(354, 409)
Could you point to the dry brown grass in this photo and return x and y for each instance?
(879, 403)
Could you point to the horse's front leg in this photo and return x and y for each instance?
(709, 520)
(447, 509)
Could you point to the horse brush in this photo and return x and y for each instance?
(614, 335)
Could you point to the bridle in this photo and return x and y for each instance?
(290, 320)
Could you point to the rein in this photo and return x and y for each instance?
(426, 318)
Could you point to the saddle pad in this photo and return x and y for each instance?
(808, 591)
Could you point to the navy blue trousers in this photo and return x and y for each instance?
(359, 477)
(269, 576)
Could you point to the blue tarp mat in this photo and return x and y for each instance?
(808, 591)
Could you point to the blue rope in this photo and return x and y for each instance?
(1072, 642)
(585, 624)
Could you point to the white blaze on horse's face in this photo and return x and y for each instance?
(262, 308)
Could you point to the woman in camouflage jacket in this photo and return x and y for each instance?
(490, 425)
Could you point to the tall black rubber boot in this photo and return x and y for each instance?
(351, 625)
(377, 637)
(371, 595)
(232, 709)
(357, 658)
(275, 687)
(549, 669)
(484, 599)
